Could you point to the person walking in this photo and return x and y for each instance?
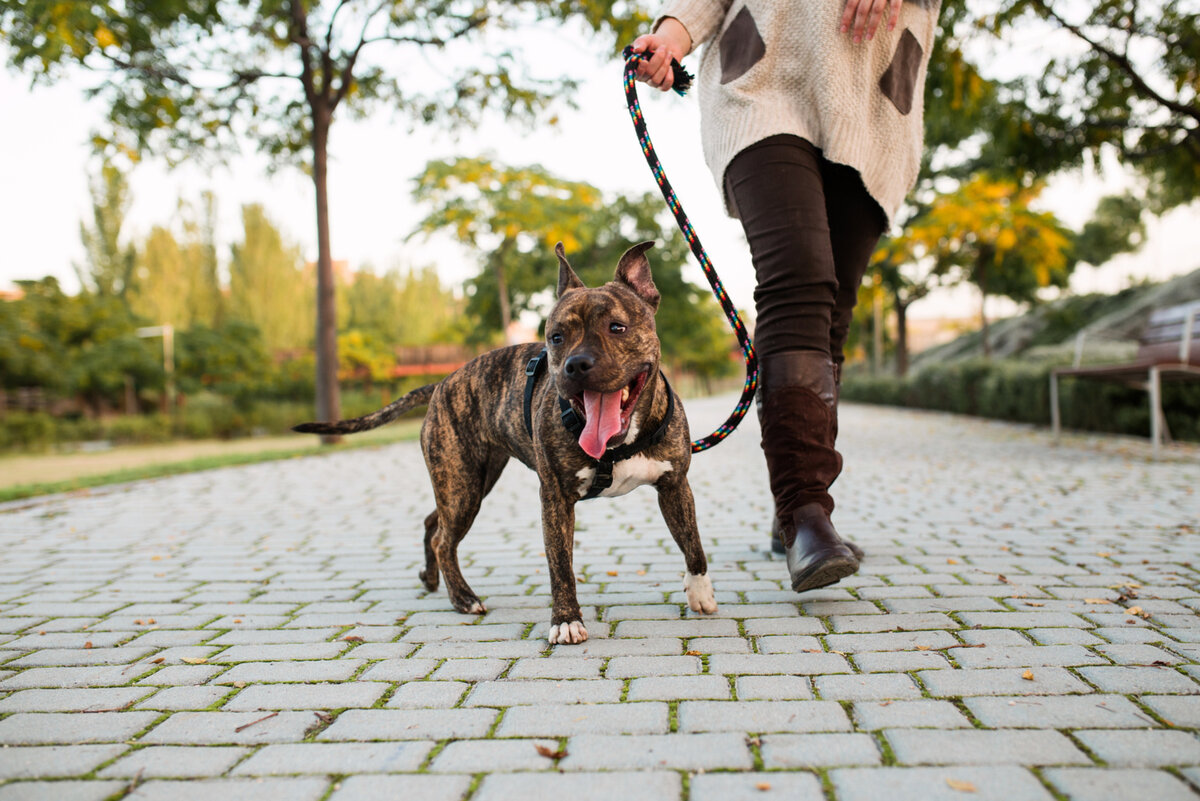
(811, 121)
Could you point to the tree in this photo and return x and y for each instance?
(513, 216)
(906, 278)
(176, 281)
(397, 308)
(987, 233)
(1129, 84)
(1115, 227)
(110, 263)
(269, 285)
(189, 76)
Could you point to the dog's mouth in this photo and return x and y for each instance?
(606, 415)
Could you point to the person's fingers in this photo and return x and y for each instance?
(861, 16)
(848, 15)
(894, 14)
(666, 76)
(877, 9)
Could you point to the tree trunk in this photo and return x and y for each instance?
(983, 320)
(901, 337)
(329, 404)
(502, 288)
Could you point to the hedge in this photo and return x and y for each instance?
(1020, 391)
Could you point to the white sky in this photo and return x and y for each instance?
(46, 166)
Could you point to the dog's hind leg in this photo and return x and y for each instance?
(458, 503)
(429, 576)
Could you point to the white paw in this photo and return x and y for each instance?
(566, 633)
(700, 595)
(476, 608)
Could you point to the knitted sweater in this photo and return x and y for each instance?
(783, 67)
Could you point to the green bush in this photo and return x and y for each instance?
(1019, 391)
(27, 431)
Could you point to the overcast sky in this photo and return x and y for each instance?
(47, 164)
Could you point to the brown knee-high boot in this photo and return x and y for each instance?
(797, 408)
(776, 541)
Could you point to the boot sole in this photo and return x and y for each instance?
(828, 571)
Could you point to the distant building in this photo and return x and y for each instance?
(925, 333)
(12, 293)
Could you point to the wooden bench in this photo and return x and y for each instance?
(1168, 350)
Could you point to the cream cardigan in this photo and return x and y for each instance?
(783, 67)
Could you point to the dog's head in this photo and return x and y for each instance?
(603, 347)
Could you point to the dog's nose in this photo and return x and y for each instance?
(578, 365)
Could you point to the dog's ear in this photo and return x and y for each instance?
(634, 272)
(567, 279)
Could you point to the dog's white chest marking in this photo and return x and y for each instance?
(628, 475)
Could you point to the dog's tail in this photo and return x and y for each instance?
(418, 397)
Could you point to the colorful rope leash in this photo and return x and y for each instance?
(682, 80)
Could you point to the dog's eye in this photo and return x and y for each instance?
(616, 328)
(556, 339)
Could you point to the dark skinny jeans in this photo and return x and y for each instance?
(811, 226)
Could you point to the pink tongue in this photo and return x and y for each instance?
(603, 412)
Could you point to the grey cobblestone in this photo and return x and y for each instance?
(222, 653)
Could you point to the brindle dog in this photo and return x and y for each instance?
(602, 361)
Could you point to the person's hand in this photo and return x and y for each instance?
(861, 17)
(670, 41)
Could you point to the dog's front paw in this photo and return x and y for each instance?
(700, 596)
(567, 633)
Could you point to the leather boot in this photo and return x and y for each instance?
(797, 405)
(776, 542)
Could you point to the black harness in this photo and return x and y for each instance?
(572, 422)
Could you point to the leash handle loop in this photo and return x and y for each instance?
(682, 81)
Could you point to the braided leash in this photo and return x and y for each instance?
(682, 80)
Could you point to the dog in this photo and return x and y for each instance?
(590, 412)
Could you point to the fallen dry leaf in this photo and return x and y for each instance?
(1004, 578)
(1104, 554)
(692, 653)
(613, 573)
(924, 647)
(549, 753)
(641, 572)
(1027, 675)
(239, 684)
(1096, 601)
(237, 620)
(87, 645)
(194, 660)
(352, 638)
(158, 660)
(952, 561)
(961, 786)
(1034, 603)
(764, 786)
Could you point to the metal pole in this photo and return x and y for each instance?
(1055, 418)
(1155, 389)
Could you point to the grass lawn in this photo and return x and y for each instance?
(29, 475)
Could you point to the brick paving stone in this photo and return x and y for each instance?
(307, 696)
(628, 786)
(1095, 784)
(762, 716)
(282, 651)
(756, 787)
(60, 791)
(858, 643)
(938, 784)
(397, 670)
(335, 758)
(293, 789)
(657, 752)
(106, 676)
(786, 644)
(426, 788)
(409, 724)
(501, 649)
(866, 687)
(1136, 654)
(1123, 679)
(1139, 749)
(899, 661)
(719, 645)
(562, 668)
(1024, 620)
(54, 761)
(1027, 656)
(677, 688)
(623, 667)
(62, 728)
(1063, 636)
(643, 717)
(182, 675)
(175, 762)
(819, 750)
(784, 625)
(73, 700)
(545, 691)
(700, 627)
(875, 715)
(1001, 681)
(426, 694)
(768, 664)
(975, 747)
(891, 622)
(221, 728)
(290, 672)
(772, 688)
(1059, 712)
(1180, 710)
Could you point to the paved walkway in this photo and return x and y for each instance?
(1026, 626)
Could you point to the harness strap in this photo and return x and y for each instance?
(574, 424)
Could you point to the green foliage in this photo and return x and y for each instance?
(397, 308)
(513, 216)
(175, 278)
(1116, 227)
(110, 263)
(269, 285)
(225, 359)
(1019, 391)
